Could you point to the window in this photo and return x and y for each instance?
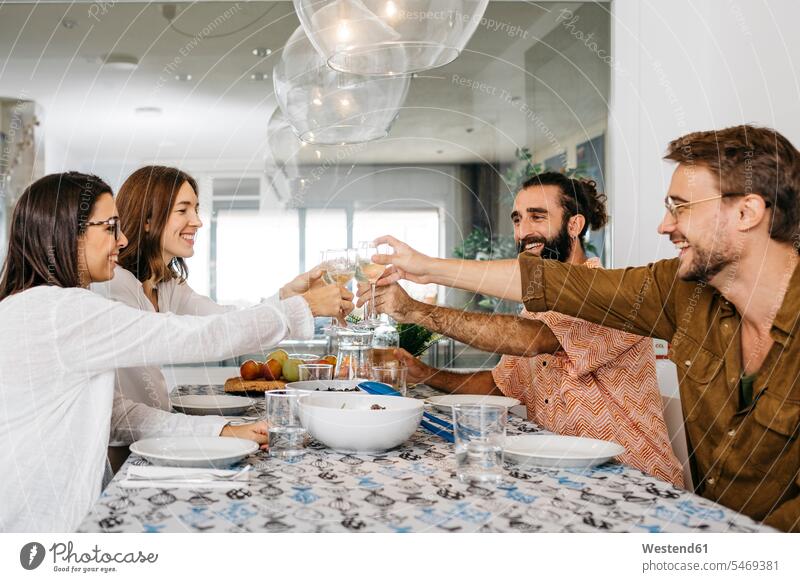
(326, 228)
(418, 228)
(256, 254)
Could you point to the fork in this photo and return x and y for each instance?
(194, 477)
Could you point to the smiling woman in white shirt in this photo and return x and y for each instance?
(61, 344)
(159, 210)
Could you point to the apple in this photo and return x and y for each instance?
(280, 355)
(250, 370)
(271, 369)
(291, 372)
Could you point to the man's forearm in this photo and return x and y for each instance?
(502, 334)
(474, 383)
(495, 278)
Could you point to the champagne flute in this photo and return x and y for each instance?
(369, 272)
(340, 267)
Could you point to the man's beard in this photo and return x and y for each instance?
(558, 248)
(706, 265)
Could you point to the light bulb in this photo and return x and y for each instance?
(391, 9)
(343, 32)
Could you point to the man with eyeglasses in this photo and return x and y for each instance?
(729, 304)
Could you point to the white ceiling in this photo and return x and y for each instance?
(220, 116)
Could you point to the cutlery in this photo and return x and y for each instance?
(202, 477)
(440, 432)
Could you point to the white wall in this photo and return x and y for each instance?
(682, 66)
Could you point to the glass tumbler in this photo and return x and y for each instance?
(479, 431)
(286, 434)
(394, 375)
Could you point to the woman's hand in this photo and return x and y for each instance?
(255, 431)
(302, 283)
(329, 301)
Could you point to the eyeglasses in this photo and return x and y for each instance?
(673, 208)
(112, 222)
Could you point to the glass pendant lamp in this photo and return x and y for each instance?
(389, 37)
(324, 106)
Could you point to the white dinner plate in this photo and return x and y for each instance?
(327, 385)
(213, 452)
(544, 450)
(219, 404)
(444, 403)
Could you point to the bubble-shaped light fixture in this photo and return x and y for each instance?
(292, 166)
(389, 37)
(329, 107)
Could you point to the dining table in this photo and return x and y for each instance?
(412, 488)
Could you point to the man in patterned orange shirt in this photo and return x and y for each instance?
(575, 377)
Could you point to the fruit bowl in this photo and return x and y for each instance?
(359, 423)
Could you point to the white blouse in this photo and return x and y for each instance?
(144, 388)
(58, 352)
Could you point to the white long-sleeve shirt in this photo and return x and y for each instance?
(141, 392)
(58, 352)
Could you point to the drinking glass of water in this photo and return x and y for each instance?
(394, 375)
(479, 431)
(286, 434)
(315, 372)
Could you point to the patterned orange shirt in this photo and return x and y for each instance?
(601, 384)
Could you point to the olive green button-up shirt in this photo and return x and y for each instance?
(746, 458)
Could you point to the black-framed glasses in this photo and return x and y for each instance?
(113, 222)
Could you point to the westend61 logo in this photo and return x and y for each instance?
(65, 559)
(31, 555)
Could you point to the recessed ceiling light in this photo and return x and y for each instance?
(120, 62)
(183, 77)
(261, 52)
(68, 23)
(259, 77)
(148, 111)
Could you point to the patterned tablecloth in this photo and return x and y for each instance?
(411, 489)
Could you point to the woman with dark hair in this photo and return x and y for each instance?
(61, 344)
(159, 209)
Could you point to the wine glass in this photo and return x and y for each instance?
(369, 272)
(340, 267)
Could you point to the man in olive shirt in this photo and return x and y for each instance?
(729, 305)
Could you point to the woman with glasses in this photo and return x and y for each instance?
(159, 210)
(60, 344)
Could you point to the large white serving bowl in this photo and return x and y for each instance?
(345, 422)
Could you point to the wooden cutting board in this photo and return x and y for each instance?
(239, 386)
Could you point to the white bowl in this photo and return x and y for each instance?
(345, 421)
(327, 385)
